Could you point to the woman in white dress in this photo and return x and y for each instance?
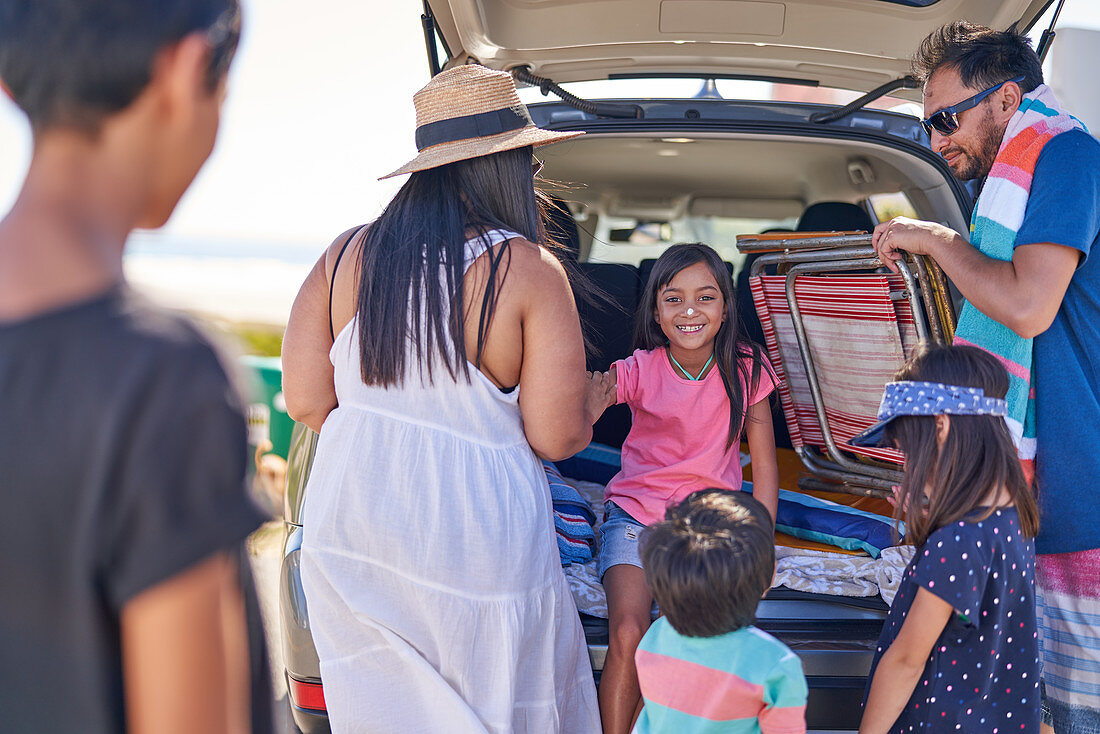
(438, 352)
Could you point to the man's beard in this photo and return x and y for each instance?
(976, 164)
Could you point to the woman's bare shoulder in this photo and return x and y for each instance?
(348, 242)
(529, 260)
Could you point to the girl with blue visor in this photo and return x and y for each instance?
(959, 649)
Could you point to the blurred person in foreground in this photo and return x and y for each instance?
(122, 444)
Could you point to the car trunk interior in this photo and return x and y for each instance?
(744, 178)
(767, 177)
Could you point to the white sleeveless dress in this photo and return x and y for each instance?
(431, 571)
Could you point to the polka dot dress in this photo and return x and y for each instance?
(983, 674)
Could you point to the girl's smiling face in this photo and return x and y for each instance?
(690, 310)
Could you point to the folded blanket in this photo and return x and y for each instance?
(799, 515)
(819, 572)
(812, 518)
(800, 569)
(573, 519)
(891, 569)
(815, 572)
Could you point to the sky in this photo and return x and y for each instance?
(320, 105)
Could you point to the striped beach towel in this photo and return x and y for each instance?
(993, 227)
(573, 519)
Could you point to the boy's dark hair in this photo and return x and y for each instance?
(982, 56)
(977, 455)
(710, 561)
(731, 346)
(72, 64)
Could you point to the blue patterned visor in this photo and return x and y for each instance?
(927, 398)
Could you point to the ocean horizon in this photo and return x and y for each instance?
(237, 280)
(157, 244)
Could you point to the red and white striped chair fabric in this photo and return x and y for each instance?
(860, 328)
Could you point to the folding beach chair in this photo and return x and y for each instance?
(836, 333)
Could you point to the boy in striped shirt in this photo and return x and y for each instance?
(703, 666)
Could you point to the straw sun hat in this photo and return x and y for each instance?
(470, 111)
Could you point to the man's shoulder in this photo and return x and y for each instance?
(1072, 147)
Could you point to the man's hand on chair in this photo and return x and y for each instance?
(913, 236)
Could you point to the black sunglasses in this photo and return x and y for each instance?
(946, 121)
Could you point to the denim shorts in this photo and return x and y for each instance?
(618, 539)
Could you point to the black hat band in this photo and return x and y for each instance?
(480, 125)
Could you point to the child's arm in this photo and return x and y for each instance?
(600, 393)
(901, 665)
(765, 472)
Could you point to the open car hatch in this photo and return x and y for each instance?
(848, 44)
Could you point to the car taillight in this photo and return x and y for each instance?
(306, 695)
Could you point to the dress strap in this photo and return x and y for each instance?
(478, 244)
(332, 282)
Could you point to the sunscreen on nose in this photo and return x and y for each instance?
(691, 311)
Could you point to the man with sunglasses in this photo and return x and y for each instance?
(1033, 290)
(122, 442)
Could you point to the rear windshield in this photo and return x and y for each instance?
(629, 241)
(732, 89)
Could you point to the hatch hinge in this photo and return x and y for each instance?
(905, 82)
(1048, 35)
(427, 20)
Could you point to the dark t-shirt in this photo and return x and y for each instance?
(122, 463)
(1064, 208)
(983, 674)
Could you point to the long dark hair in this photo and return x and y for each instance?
(412, 263)
(730, 347)
(977, 455)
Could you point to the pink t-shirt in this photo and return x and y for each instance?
(677, 443)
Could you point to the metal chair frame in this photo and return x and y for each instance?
(828, 254)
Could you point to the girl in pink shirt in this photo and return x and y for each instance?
(694, 385)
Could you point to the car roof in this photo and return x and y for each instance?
(847, 44)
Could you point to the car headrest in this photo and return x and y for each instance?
(834, 216)
(561, 228)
